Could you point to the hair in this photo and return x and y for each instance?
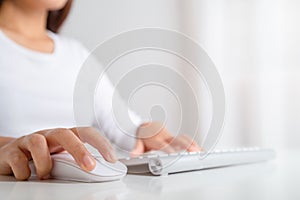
(56, 18)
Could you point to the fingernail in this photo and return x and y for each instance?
(88, 162)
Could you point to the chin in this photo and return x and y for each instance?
(55, 4)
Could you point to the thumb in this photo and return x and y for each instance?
(138, 149)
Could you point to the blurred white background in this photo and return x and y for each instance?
(254, 44)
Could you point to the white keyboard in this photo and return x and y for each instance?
(159, 163)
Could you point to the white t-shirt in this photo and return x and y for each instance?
(37, 90)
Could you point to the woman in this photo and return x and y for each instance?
(37, 76)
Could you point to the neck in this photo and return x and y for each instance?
(30, 22)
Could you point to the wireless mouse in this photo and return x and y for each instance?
(66, 168)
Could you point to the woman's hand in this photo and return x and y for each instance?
(154, 136)
(14, 155)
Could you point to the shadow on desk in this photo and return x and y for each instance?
(197, 179)
(190, 185)
(51, 189)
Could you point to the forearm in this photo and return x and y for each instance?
(5, 140)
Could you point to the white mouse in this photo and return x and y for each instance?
(65, 168)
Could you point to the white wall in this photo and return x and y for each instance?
(94, 21)
(254, 44)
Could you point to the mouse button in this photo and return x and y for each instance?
(64, 157)
(117, 166)
(109, 169)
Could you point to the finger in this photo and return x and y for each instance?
(37, 146)
(184, 142)
(54, 147)
(148, 130)
(160, 145)
(93, 137)
(138, 149)
(19, 165)
(180, 143)
(194, 146)
(5, 168)
(71, 143)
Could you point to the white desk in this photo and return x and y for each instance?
(279, 179)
